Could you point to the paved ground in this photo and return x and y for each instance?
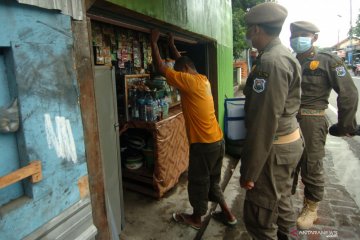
(149, 219)
(339, 215)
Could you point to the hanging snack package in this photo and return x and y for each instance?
(99, 56)
(137, 53)
(107, 56)
(97, 35)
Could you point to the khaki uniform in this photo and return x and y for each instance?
(322, 72)
(272, 102)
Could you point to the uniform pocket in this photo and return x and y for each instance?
(290, 153)
(266, 217)
(260, 215)
(314, 164)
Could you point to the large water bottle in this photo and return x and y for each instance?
(156, 109)
(149, 108)
(134, 104)
(164, 108)
(142, 109)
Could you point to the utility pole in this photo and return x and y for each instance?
(338, 40)
(351, 33)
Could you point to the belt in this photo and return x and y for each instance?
(312, 112)
(292, 137)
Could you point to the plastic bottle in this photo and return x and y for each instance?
(164, 109)
(149, 106)
(157, 109)
(142, 110)
(134, 104)
(178, 96)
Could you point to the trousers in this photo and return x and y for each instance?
(268, 208)
(315, 130)
(204, 174)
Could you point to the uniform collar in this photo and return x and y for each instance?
(309, 55)
(274, 42)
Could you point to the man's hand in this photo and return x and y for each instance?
(172, 46)
(335, 131)
(248, 185)
(171, 39)
(155, 34)
(124, 128)
(157, 62)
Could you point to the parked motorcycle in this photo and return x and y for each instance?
(357, 70)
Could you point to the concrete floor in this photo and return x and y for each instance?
(234, 196)
(149, 219)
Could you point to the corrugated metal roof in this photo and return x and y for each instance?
(68, 7)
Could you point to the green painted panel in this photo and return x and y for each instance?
(225, 76)
(153, 8)
(210, 18)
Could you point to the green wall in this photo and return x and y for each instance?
(225, 78)
(210, 18)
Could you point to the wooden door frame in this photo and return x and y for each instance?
(85, 76)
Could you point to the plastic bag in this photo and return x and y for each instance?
(9, 118)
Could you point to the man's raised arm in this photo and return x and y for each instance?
(158, 64)
(173, 48)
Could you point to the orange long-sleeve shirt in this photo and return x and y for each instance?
(197, 105)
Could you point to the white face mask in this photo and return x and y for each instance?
(300, 44)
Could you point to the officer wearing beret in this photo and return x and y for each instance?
(273, 144)
(321, 72)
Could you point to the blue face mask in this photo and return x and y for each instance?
(300, 44)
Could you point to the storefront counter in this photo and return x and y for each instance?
(171, 152)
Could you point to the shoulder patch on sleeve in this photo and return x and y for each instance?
(340, 71)
(259, 85)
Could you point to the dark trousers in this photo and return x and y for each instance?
(314, 129)
(205, 163)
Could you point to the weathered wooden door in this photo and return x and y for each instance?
(106, 107)
(9, 158)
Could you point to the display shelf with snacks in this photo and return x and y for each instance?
(154, 149)
(143, 99)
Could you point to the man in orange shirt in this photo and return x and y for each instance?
(204, 135)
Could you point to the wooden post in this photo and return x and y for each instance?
(32, 170)
(85, 77)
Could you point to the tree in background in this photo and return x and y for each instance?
(239, 8)
(356, 30)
